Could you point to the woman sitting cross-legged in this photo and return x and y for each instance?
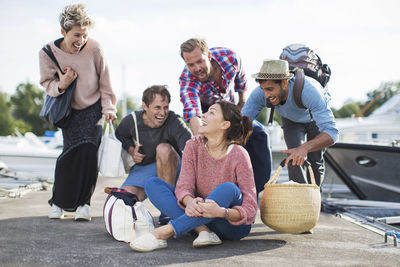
(215, 194)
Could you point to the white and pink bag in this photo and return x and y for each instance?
(125, 217)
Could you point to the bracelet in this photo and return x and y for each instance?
(226, 214)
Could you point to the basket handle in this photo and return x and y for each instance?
(282, 164)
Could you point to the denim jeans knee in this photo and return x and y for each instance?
(162, 195)
(226, 195)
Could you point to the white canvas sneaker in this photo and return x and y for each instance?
(83, 213)
(55, 212)
(206, 239)
(147, 242)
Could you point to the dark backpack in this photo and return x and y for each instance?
(303, 61)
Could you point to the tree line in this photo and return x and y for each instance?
(20, 111)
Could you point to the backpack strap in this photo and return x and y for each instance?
(297, 91)
(271, 115)
(298, 87)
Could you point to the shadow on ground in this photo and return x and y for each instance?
(40, 241)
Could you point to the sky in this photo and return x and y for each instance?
(358, 39)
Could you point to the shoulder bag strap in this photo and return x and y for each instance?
(49, 52)
(136, 128)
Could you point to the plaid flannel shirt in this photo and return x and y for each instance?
(193, 92)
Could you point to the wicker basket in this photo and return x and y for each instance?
(290, 208)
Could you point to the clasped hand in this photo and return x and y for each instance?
(197, 207)
(67, 78)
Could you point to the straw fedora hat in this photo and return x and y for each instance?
(273, 70)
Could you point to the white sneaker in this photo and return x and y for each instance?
(206, 239)
(83, 213)
(147, 242)
(55, 212)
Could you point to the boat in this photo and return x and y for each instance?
(367, 157)
(371, 172)
(28, 153)
(365, 164)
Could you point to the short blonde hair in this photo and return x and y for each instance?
(74, 15)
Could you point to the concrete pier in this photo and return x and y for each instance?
(29, 238)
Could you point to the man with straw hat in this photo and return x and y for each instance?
(307, 132)
(214, 74)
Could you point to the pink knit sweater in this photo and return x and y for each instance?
(201, 173)
(93, 76)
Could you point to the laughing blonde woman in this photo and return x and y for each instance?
(81, 58)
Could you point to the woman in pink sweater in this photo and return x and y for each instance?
(80, 58)
(215, 194)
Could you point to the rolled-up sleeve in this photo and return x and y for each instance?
(240, 78)
(313, 98)
(189, 93)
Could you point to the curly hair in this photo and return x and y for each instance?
(74, 15)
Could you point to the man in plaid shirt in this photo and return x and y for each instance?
(210, 75)
(216, 74)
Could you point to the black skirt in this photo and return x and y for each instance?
(76, 168)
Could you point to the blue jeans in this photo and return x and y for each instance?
(226, 195)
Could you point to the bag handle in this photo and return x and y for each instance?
(109, 126)
(107, 130)
(282, 164)
(112, 129)
(136, 128)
